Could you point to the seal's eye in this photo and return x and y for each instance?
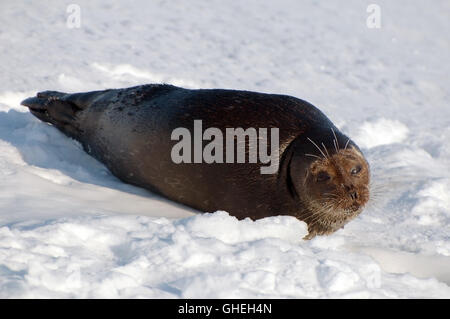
(355, 170)
(323, 176)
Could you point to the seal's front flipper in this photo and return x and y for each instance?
(52, 107)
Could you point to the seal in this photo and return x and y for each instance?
(321, 176)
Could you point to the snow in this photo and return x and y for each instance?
(381, 132)
(70, 229)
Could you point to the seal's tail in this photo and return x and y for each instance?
(54, 108)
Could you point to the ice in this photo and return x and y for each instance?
(70, 229)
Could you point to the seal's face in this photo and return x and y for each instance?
(336, 188)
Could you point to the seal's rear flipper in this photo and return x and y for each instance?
(52, 107)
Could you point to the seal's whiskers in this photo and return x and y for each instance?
(324, 156)
(346, 144)
(312, 155)
(336, 143)
(328, 154)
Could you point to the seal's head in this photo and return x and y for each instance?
(333, 188)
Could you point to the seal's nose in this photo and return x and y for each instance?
(351, 191)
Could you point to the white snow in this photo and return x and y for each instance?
(381, 132)
(70, 229)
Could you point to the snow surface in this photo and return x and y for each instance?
(70, 229)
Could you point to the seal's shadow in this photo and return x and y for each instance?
(42, 145)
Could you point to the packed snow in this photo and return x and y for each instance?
(70, 229)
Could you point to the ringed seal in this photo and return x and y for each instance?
(322, 177)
